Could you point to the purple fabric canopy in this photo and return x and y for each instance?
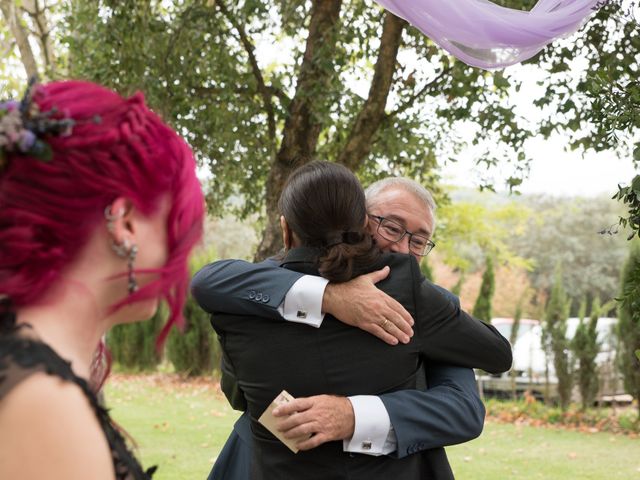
(486, 35)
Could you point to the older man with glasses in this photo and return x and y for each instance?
(446, 412)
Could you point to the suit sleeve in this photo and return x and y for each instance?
(449, 335)
(242, 288)
(449, 412)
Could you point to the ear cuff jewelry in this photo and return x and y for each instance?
(123, 249)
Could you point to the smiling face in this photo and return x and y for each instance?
(405, 208)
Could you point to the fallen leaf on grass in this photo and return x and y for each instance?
(163, 427)
(572, 455)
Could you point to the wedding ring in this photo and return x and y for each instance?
(384, 324)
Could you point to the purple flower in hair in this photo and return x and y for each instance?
(27, 140)
(24, 128)
(9, 105)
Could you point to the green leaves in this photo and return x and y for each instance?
(630, 197)
(191, 61)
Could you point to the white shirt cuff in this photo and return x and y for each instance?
(303, 301)
(373, 433)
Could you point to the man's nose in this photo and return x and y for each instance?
(402, 246)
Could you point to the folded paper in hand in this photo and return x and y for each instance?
(270, 422)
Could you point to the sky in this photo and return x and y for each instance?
(554, 171)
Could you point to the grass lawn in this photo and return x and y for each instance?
(181, 426)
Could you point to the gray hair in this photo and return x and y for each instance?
(406, 184)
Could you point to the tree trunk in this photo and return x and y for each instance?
(302, 128)
(43, 32)
(11, 15)
(368, 121)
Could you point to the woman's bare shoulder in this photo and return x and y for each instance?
(48, 429)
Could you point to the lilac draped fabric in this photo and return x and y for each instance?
(486, 35)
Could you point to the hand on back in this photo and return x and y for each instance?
(361, 304)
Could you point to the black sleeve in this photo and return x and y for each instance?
(242, 288)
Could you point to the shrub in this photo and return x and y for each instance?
(555, 339)
(585, 346)
(133, 345)
(482, 309)
(196, 350)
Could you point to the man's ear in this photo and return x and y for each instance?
(370, 225)
(286, 233)
(120, 223)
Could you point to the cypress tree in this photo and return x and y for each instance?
(513, 337)
(426, 270)
(585, 347)
(482, 308)
(555, 339)
(457, 288)
(133, 345)
(629, 323)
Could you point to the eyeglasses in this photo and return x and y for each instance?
(394, 232)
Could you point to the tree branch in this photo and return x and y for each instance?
(302, 128)
(273, 91)
(416, 96)
(255, 69)
(370, 117)
(12, 18)
(43, 32)
(303, 125)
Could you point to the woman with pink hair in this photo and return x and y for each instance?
(99, 209)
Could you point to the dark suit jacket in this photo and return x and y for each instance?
(268, 356)
(448, 412)
(439, 416)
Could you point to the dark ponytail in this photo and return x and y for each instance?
(344, 261)
(324, 205)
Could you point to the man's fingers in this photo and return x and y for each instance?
(400, 311)
(293, 421)
(301, 430)
(297, 405)
(396, 325)
(390, 328)
(382, 334)
(313, 442)
(378, 275)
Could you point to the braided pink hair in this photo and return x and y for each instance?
(48, 211)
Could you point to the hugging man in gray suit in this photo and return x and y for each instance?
(402, 422)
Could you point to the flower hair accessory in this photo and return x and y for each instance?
(24, 128)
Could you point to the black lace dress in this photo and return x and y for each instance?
(22, 354)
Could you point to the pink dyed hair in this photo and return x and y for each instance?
(117, 148)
